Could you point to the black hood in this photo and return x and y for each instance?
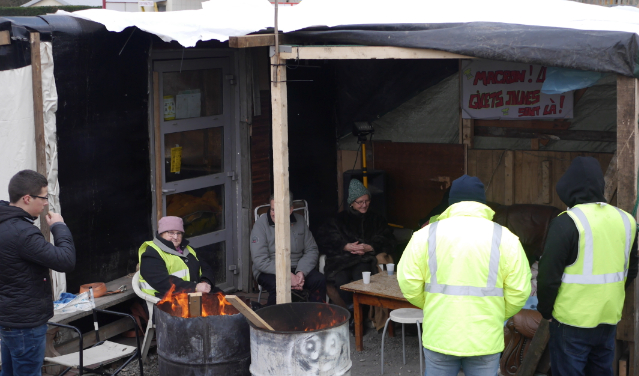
(582, 183)
(7, 212)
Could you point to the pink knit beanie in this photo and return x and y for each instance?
(170, 224)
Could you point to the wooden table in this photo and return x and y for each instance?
(383, 291)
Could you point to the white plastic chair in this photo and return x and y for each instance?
(406, 316)
(150, 326)
(298, 205)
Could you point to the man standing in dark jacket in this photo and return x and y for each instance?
(590, 257)
(26, 302)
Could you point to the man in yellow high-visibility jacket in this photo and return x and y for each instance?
(589, 258)
(469, 275)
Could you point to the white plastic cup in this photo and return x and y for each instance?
(381, 267)
(366, 276)
(390, 268)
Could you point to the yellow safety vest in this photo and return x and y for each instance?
(456, 270)
(592, 288)
(175, 265)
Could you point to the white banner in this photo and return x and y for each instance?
(503, 90)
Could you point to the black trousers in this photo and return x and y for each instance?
(314, 282)
(345, 276)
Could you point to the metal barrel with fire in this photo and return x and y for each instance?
(201, 334)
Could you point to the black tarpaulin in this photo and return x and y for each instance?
(599, 51)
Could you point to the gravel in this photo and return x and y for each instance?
(365, 363)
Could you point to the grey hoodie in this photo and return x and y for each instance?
(304, 253)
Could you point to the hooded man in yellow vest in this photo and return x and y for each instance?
(589, 258)
(469, 275)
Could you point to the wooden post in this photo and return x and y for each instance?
(280, 180)
(157, 140)
(546, 189)
(611, 178)
(627, 163)
(195, 304)
(38, 117)
(468, 133)
(509, 178)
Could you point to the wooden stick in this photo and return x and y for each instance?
(195, 304)
(248, 312)
(610, 179)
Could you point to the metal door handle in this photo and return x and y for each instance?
(168, 190)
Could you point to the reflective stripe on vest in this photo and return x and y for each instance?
(491, 288)
(587, 278)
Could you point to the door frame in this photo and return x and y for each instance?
(240, 164)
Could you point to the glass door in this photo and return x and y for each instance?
(196, 150)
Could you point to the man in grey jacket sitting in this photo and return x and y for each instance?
(304, 256)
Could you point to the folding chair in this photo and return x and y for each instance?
(298, 206)
(150, 302)
(103, 352)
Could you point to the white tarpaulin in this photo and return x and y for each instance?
(504, 90)
(220, 19)
(17, 132)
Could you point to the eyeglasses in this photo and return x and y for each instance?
(177, 234)
(363, 202)
(46, 198)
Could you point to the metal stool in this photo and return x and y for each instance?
(406, 316)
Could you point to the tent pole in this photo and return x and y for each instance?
(280, 177)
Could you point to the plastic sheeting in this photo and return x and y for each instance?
(546, 27)
(17, 132)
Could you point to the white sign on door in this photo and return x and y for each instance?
(503, 90)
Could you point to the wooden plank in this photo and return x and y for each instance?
(157, 141)
(88, 339)
(38, 117)
(468, 132)
(5, 38)
(280, 173)
(195, 304)
(259, 40)
(472, 162)
(549, 134)
(534, 144)
(611, 178)
(532, 124)
(485, 170)
(627, 162)
(366, 52)
(498, 183)
(509, 178)
(535, 351)
(623, 367)
(248, 312)
(546, 182)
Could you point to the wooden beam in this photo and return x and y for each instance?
(257, 40)
(509, 178)
(38, 117)
(250, 315)
(534, 144)
(157, 146)
(366, 52)
(610, 178)
(533, 124)
(550, 134)
(5, 38)
(279, 104)
(627, 163)
(468, 132)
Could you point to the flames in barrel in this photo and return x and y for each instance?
(177, 304)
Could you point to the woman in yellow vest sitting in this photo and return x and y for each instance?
(169, 260)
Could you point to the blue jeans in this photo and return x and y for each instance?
(581, 351)
(23, 350)
(438, 364)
